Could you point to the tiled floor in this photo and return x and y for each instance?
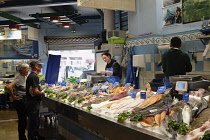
(8, 126)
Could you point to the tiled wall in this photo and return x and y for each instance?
(11, 69)
(147, 45)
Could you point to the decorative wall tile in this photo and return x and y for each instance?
(148, 66)
(199, 66)
(193, 72)
(158, 68)
(157, 39)
(199, 72)
(148, 58)
(193, 66)
(157, 57)
(199, 56)
(152, 67)
(206, 65)
(158, 72)
(206, 72)
(145, 49)
(142, 73)
(162, 40)
(152, 58)
(149, 75)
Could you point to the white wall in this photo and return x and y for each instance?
(146, 18)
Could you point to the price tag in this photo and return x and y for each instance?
(143, 95)
(63, 84)
(185, 97)
(104, 87)
(116, 83)
(106, 82)
(133, 95)
(161, 89)
(127, 85)
(95, 87)
(86, 85)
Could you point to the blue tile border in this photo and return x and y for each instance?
(148, 67)
(160, 39)
(199, 66)
(158, 68)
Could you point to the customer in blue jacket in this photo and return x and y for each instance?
(112, 68)
(175, 62)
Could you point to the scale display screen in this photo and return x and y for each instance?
(181, 86)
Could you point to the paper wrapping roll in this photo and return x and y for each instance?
(163, 46)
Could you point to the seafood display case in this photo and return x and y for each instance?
(109, 111)
(79, 115)
(90, 125)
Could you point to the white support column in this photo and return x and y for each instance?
(109, 20)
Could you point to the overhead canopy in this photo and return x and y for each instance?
(71, 42)
(123, 5)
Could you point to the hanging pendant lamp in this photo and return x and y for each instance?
(66, 25)
(14, 27)
(54, 19)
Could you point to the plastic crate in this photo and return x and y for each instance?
(116, 41)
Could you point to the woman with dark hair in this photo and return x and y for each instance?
(112, 68)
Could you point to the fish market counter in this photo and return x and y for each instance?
(77, 123)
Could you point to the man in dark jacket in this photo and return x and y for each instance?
(175, 62)
(33, 98)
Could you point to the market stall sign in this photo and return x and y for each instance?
(127, 85)
(185, 97)
(116, 83)
(123, 5)
(104, 87)
(95, 87)
(75, 58)
(161, 89)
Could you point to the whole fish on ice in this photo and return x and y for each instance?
(187, 114)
